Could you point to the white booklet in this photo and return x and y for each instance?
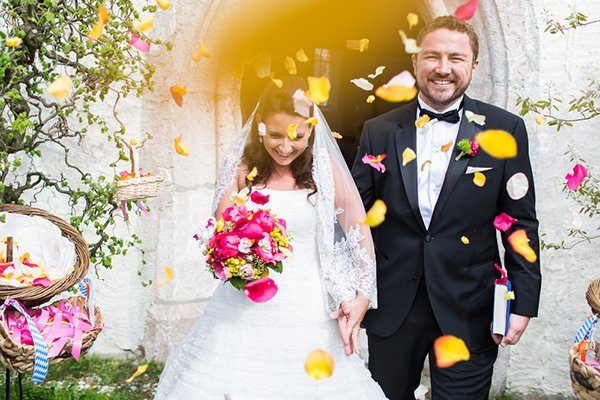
(501, 308)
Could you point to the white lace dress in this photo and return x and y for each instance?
(256, 351)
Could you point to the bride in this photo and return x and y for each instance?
(241, 350)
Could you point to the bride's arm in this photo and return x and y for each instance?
(238, 185)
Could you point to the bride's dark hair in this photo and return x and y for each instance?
(274, 100)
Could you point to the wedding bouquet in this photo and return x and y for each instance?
(243, 245)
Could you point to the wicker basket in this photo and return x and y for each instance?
(32, 296)
(585, 379)
(139, 188)
(20, 358)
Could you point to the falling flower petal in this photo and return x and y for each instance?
(145, 25)
(465, 240)
(164, 4)
(497, 143)
(201, 53)
(262, 66)
(399, 88)
(302, 104)
(413, 20)
(13, 42)
(375, 161)
(180, 148)
(177, 92)
(509, 295)
(447, 146)
(140, 370)
(44, 282)
(102, 14)
(503, 222)
(61, 87)
(363, 84)
(540, 120)
(336, 135)
(517, 186)
(259, 198)
(378, 71)
(301, 56)
(318, 89)
(370, 99)
(290, 65)
(424, 164)
(579, 174)
(360, 45)
(312, 121)
(472, 117)
(408, 155)
(479, 179)
(449, 350)
(420, 392)
(262, 129)
(466, 10)
(239, 198)
(261, 290)
(404, 78)
(520, 244)
(422, 121)
(410, 45)
(292, 131)
(139, 43)
(96, 31)
(252, 174)
(376, 214)
(319, 364)
(168, 277)
(277, 82)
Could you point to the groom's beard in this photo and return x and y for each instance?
(442, 99)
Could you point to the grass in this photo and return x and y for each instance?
(92, 378)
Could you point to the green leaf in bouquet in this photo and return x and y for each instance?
(278, 267)
(238, 283)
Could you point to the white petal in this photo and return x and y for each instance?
(517, 186)
(363, 84)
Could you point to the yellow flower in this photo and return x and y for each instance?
(13, 42)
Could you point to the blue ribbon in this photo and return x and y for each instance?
(83, 286)
(587, 330)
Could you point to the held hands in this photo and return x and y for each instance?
(516, 327)
(349, 317)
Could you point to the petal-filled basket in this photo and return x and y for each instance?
(139, 188)
(34, 295)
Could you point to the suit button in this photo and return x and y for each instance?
(428, 238)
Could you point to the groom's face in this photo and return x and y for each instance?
(444, 67)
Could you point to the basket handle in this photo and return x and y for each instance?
(40, 364)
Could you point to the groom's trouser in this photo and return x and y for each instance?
(396, 361)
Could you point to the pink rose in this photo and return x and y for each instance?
(474, 147)
(503, 222)
(250, 229)
(235, 214)
(247, 272)
(221, 272)
(574, 180)
(259, 198)
(227, 244)
(264, 250)
(265, 220)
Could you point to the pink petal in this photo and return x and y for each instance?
(579, 174)
(467, 10)
(139, 43)
(45, 282)
(261, 290)
(259, 198)
(503, 222)
(367, 159)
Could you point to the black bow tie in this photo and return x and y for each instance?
(449, 116)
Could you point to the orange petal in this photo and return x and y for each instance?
(290, 65)
(376, 214)
(292, 132)
(164, 4)
(422, 121)
(479, 179)
(102, 14)
(408, 155)
(180, 148)
(61, 87)
(177, 92)
(312, 121)
(336, 135)
(447, 146)
(497, 143)
(168, 277)
(318, 89)
(319, 364)
(413, 20)
(140, 370)
(520, 244)
(424, 164)
(449, 350)
(396, 93)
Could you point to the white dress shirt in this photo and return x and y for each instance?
(432, 162)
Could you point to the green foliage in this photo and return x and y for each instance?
(33, 124)
(573, 21)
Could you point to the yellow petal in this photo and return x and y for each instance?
(292, 132)
(360, 45)
(13, 42)
(336, 135)
(145, 25)
(180, 148)
(370, 99)
(422, 121)
(540, 120)
(424, 164)
(96, 31)
(239, 198)
(164, 4)
(262, 66)
(252, 174)
(61, 87)
(277, 82)
(410, 45)
(447, 146)
(472, 117)
(312, 121)
(497, 143)
(396, 93)
(479, 179)
(140, 370)
(290, 65)
(318, 89)
(509, 295)
(201, 53)
(413, 20)
(465, 240)
(285, 251)
(168, 277)
(301, 56)
(133, 142)
(408, 155)
(102, 14)
(520, 243)
(449, 350)
(376, 214)
(319, 364)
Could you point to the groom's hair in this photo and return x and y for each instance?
(451, 23)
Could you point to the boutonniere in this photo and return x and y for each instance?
(467, 148)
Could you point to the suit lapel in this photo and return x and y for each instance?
(456, 169)
(406, 136)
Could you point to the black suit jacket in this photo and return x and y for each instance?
(459, 277)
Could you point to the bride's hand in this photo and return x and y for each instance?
(349, 317)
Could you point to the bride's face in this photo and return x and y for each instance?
(277, 142)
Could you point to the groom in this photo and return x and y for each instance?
(437, 247)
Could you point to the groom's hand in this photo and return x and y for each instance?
(516, 327)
